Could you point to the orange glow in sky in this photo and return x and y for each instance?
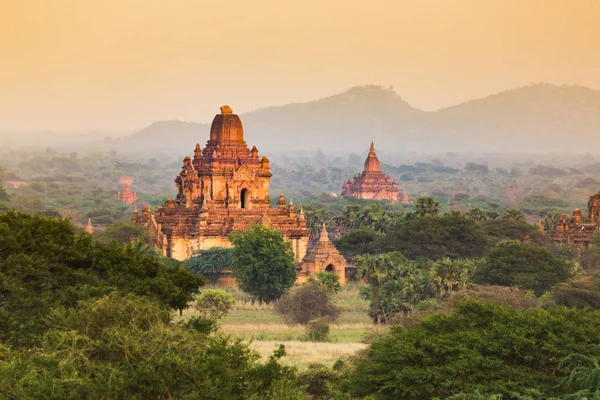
(121, 64)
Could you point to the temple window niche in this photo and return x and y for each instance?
(245, 199)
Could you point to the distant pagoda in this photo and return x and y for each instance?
(404, 199)
(127, 196)
(372, 184)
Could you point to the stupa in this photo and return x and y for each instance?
(323, 256)
(372, 184)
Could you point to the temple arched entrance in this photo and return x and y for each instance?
(245, 199)
(330, 268)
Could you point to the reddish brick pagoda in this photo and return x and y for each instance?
(225, 187)
(372, 184)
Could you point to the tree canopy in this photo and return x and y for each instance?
(44, 263)
(263, 262)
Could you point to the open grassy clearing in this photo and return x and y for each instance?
(258, 322)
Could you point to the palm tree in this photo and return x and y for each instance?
(427, 206)
(450, 274)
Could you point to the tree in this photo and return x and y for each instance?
(213, 304)
(435, 237)
(211, 262)
(330, 281)
(531, 268)
(449, 275)
(44, 263)
(356, 242)
(551, 220)
(580, 293)
(513, 214)
(508, 229)
(127, 232)
(395, 284)
(427, 206)
(123, 346)
(481, 347)
(305, 304)
(263, 262)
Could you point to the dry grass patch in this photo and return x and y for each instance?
(301, 354)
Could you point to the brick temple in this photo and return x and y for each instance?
(577, 229)
(223, 188)
(372, 184)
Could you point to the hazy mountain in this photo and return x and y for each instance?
(540, 117)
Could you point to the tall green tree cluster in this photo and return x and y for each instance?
(44, 263)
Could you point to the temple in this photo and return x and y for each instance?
(323, 256)
(127, 196)
(224, 187)
(577, 229)
(372, 184)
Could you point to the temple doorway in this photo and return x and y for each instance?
(330, 268)
(244, 198)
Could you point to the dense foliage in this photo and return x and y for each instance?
(529, 267)
(123, 347)
(262, 262)
(44, 263)
(481, 347)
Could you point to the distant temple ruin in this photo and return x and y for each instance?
(224, 188)
(577, 229)
(127, 196)
(372, 184)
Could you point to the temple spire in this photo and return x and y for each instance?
(324, 237)
(405, 197)
(89, 228)
(372, 162)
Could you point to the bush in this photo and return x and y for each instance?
(329, 281)
(213, 304)
(306, 303)
(318, 331)
(319, 381)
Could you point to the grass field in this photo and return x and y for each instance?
(258, 323)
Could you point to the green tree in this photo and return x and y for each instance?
(44, 263)
(435, 237)
(449, 275)
(305, 304)
(330, 281)
(213, 304)
(128, 232)
(396, 284)
(531, 268)
(356, 242)
(211, 262)
(263, 262)
(581, 292)
(481, 347)
(551, 220)
(123, 347)
(513, 214)
(427, 206)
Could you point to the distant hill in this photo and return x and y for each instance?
(534, 118)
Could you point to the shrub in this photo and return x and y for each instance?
(306, 303)
(213, 304)
(329, 281)
(318, 331)
(319, 381)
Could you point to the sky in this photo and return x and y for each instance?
(118, 65)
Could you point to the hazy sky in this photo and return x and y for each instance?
(120, 64)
